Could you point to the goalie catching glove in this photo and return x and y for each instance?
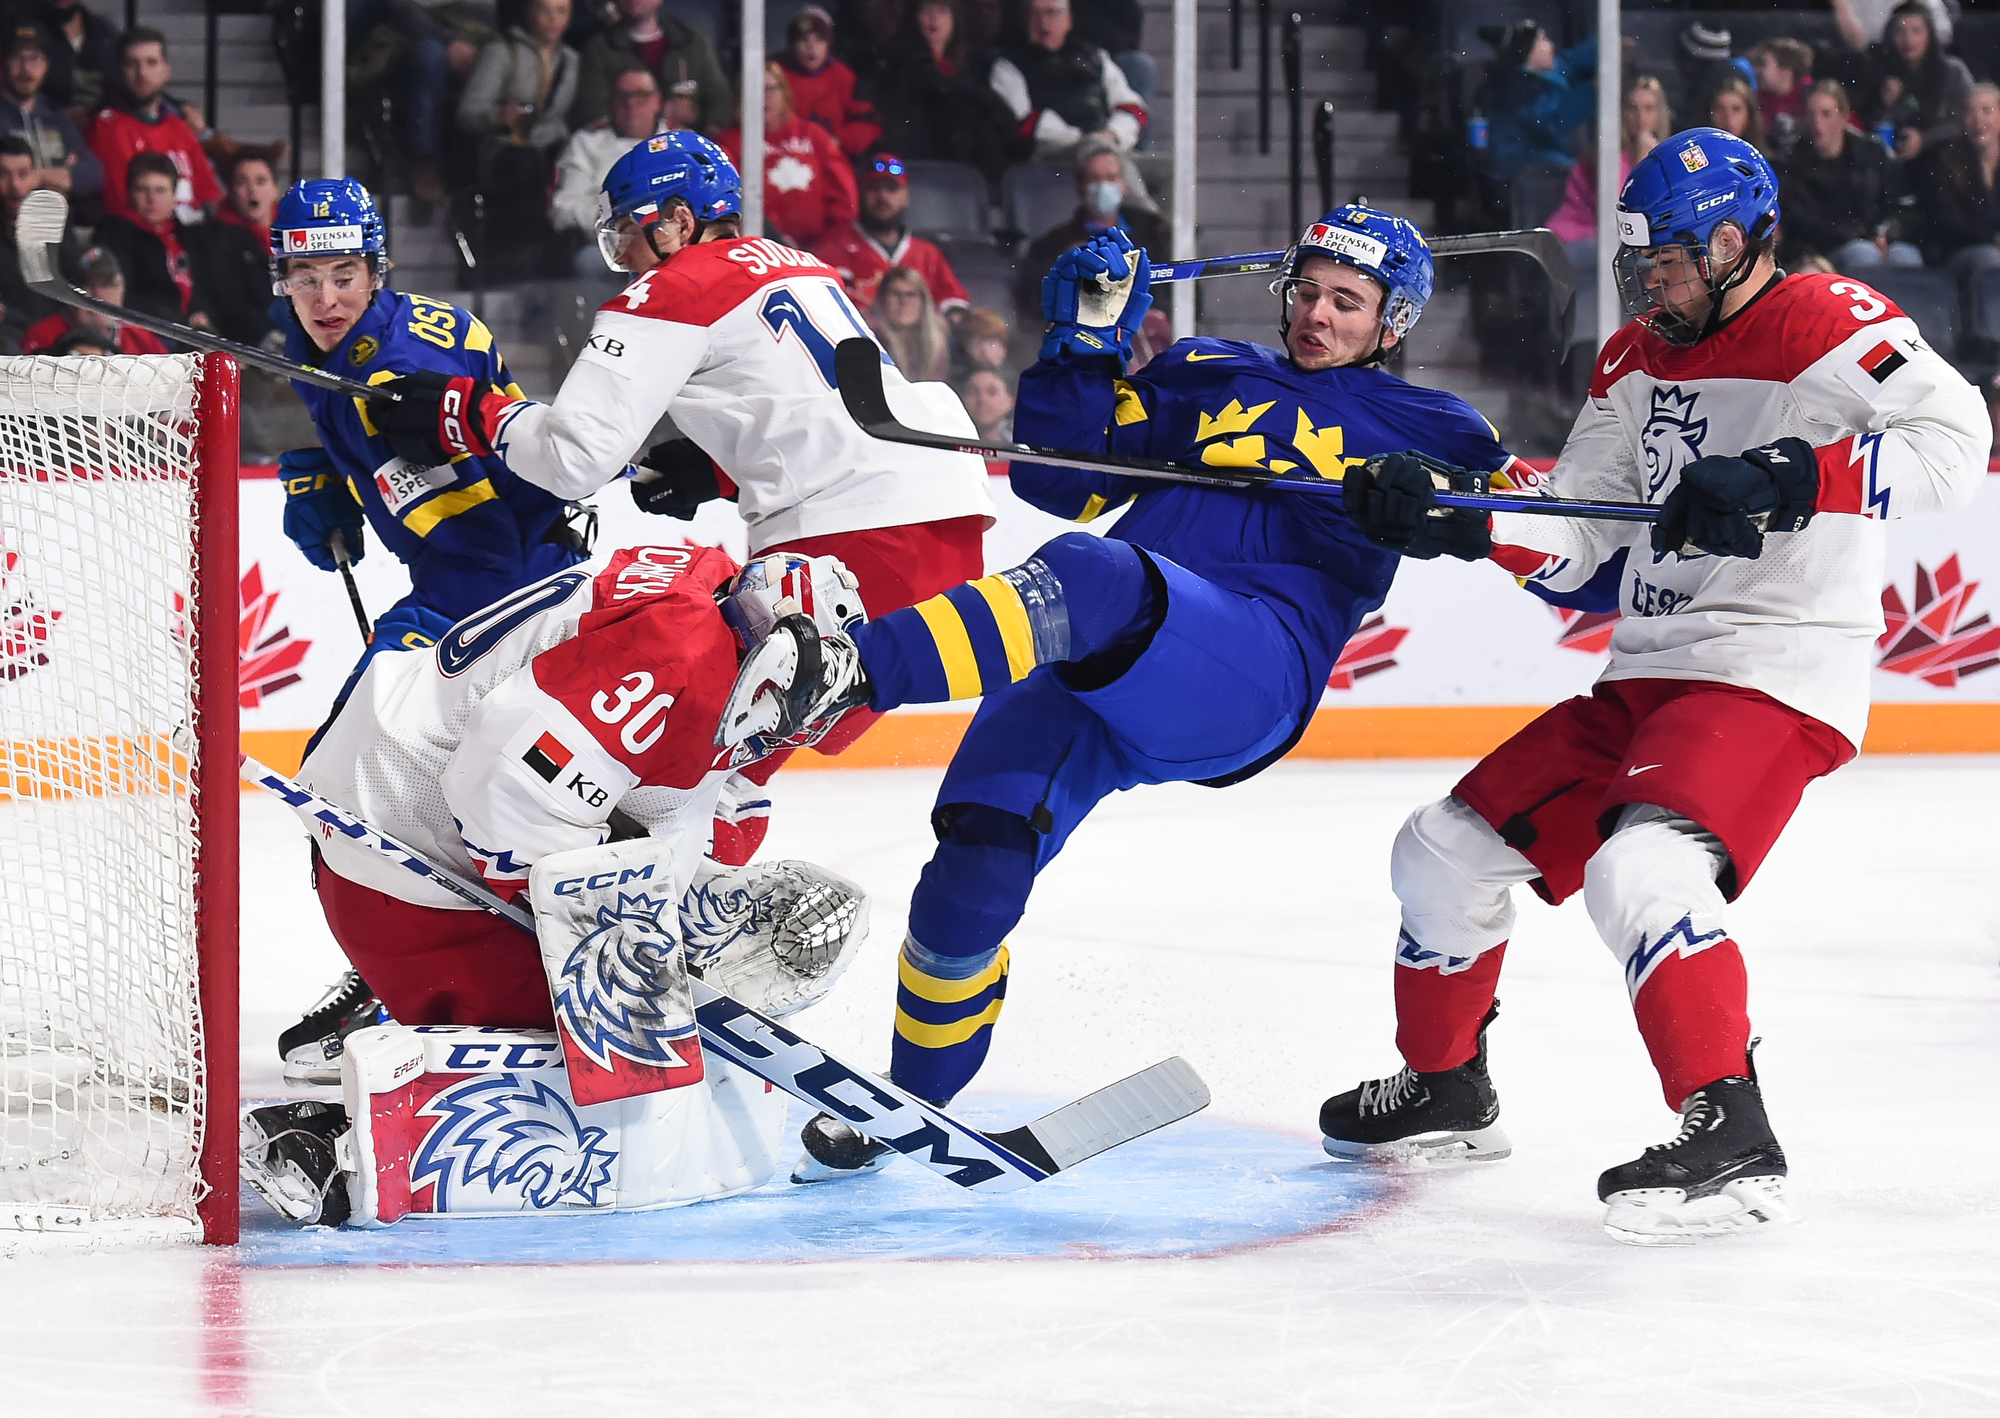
(1725, 506)
(1095, 296)
(1392, 498)
(439, 418)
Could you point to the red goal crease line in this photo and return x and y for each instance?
(56, 769)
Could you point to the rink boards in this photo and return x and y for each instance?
(1456, 660)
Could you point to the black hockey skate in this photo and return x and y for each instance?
(291, 1158)
(311, 1048)
(1449, 1116)
(833, 1149)
(792, 681)
(1724, 1173)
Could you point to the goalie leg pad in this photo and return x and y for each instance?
(607, 921)
(461, 1121)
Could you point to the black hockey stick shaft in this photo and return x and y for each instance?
(858, 371)
(39, 229)
(337, 544)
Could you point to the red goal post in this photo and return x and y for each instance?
(119, 801)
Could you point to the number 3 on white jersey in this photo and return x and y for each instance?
(1867, 304)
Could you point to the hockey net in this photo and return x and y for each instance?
(118, 799)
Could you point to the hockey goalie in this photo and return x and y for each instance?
(558, 745)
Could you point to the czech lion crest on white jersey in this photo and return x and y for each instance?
(507, 1143)
(1672, 436)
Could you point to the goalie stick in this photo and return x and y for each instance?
(45, 215)
(857, 366)
(978, 1161)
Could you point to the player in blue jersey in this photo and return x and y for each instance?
(470, 532)
(1191, 643)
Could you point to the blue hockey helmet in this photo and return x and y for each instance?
(667, 167)
(1384, 246)
(1676, 197)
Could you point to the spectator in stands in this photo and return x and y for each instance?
(99, 275)
(19, 306)
(1840, 190)
(1732, 107)
(524, 82)
(681, 59)
(1701, 62)
(864, 249)
(1102, 203)
(151, 243)
(1919, 89)
(138, 120)
(1862, 23)
(63, 161)
(83, 57)
(822, 86)
(1784, 74)
(1957, 196)
(930, 102)
(979, 339)
(907, 323)
(1115, 26)
(231, 253)
(808, 183)
(636, 108)
(1063, 90)
(990, 402)
(1644, 123)
(80, 342)
(410, 52)
(1534, 98)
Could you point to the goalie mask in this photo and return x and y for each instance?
(781, 584)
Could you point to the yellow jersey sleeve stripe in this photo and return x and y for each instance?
(949, 991)
(427, 514)
(1012, 618)
(943, 1036)
(478, 339)
(954, 647)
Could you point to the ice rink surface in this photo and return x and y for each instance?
(1221, 1267)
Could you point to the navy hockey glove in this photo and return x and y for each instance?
(439, 417)
(674, 479)
(1095, 297)
(318, 504)
(1724, 506)
(405, 627)
(1392, 498)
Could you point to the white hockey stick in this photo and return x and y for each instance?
(984, 1162)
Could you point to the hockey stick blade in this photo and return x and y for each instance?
(39, 229)
(874, 1106)
(858, 371)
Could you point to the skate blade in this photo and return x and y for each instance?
(312, 1073)
(809, 1169)
(1664, 1217)
(1430, 1149)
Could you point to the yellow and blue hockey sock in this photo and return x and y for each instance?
(945, 1009)
(1078, 595)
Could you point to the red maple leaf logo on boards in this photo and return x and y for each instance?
(24, 625)
(1928, 639)
(269, 662)
(1370, 650)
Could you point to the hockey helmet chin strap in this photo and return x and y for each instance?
(1755, 244)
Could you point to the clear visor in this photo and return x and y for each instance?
(611, 240)
(345, 277)
(1670, 289)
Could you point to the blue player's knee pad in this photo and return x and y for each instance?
(976, 884)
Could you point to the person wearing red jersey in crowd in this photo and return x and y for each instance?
(232, 250)
(1738, 674)
(864, 249)
(139, 120)
(151, 244)
(99, 275)
(808, 181)
(734, 338)
(822, 86)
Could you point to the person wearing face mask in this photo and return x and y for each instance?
(1101, 207)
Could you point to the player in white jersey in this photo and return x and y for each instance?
(734, 338)
(578, 709)
(1739, 673)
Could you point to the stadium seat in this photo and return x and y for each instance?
(1034, 198)
(1536, 192)
(948, 199)
(986, 272)
(1928, 297)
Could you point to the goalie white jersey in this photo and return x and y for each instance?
(531, 720)
(1820, 357)
(735, 340)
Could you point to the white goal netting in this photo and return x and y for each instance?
(100, 1020)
